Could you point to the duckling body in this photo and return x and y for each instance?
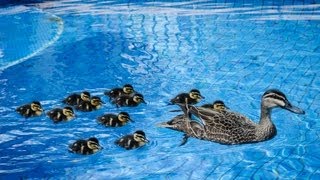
(30, 110)
(129, 101)
(58, 114)
(126, 90)
(227, 127)
(85, 147)
(94, 104)
(114, 120)
(132, 141)
(76, 99)
(193, 97)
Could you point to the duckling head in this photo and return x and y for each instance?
(85, 96)
(124, 117)
(36, 107)
(140, 137)
(219, 105)
(68, 111)
(138, 98)
(93, 144)
(128, 89)
(195, 94)
(96, 101)
(274, 98)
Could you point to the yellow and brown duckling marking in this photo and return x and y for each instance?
(217, 105)
(58, 114)
(30, 110)
(126, 90)
(76, 99)
(132, 101)
(85, 147)
(114, 120)
(132, 141)
(193, 97)
(94, 104)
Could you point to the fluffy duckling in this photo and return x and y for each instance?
(85, 147)
(193, 97)
(114, 120)
(217, 105)
(114, 93)
(58, 114)
(76, 99)
(132, 101)
(132, 141)
(30, 110)
(94, 104)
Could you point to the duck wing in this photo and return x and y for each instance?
(224, 127)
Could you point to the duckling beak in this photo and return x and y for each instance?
(131, 120)
(202, 97)
(293, 109)
(143, 101)
(146, 140)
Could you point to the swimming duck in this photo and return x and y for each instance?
(217, 105)
(193, 97)
(114, 93)
(132, 141)
(132, 101)
(76, 99)
(85, 147)
(94, 104)
(30, 110)
(114, 120)
(58, 114)
(227, 127)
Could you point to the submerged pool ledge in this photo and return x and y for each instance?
(26, 32)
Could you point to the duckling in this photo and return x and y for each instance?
(193, 97)
(217, 105)
(227, 127)
(76, 99)
(94, 104)
(133, 101)
(114, 93)
(114, 120)
(85, 147)
(58, 114)
(30, 110)
(132, 141)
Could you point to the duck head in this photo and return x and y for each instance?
(128, 89)
(274, 98)
(85, 96)
(195, 94)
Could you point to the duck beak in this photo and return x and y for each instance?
(293, 109)
(143, 102)
(146, 140)
(131, 120)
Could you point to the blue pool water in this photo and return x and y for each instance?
(232, 51)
